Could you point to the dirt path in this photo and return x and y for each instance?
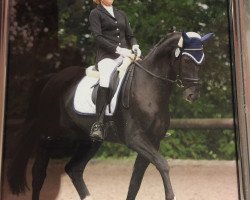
(109, 180)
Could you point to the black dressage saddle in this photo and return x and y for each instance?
(113, 85)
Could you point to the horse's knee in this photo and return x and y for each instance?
(163, 166)
(166, 169)
(69, 171)
(73, 172)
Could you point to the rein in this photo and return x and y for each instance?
(177, 81)
(154, 75)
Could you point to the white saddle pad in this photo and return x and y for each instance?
(83, 96)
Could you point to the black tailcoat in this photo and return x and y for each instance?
(110, 32)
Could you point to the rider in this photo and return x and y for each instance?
(113, 36)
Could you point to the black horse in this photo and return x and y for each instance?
(51, 119)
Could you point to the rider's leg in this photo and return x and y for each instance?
(101, 103)
(105, 67)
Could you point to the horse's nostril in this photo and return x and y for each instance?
(190, 97)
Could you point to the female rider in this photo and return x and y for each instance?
(114, 39)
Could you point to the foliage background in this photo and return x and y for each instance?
(47, 36)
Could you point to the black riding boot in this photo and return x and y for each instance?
(97, 128)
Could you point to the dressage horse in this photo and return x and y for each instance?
(51, 120)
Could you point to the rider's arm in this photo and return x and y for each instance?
(129, 33)
(95, 26)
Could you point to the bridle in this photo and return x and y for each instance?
(179, 78)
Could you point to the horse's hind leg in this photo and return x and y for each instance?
(75, 167)
(39, 170)
(140, 167)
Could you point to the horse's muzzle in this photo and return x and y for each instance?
(192, 93)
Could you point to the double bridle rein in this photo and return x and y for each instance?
(154, 75)
(179, 78)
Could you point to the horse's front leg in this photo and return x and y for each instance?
(140, 143)
(140, 167)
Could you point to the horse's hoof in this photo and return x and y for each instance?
(88, 198)
(172, 199)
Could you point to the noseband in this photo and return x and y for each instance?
(179, 78)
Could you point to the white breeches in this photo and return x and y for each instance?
(106, 66)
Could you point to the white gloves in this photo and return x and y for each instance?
(136, 50)
(124, 52)
(128, 53)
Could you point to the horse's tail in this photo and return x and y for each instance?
(44, 96)
(16, 173)
(27, 139)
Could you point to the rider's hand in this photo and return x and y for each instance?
(124, 52)
(136, 50)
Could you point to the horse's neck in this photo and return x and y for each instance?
(159, 61)
(149, 91)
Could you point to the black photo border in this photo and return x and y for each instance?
(238, 12)
(239, 20)
(4, 16)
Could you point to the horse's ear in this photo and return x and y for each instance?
(185, 37)
(206, 37)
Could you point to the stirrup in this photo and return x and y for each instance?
(97, 132)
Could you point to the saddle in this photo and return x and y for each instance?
(114, 82)
(116, 76)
